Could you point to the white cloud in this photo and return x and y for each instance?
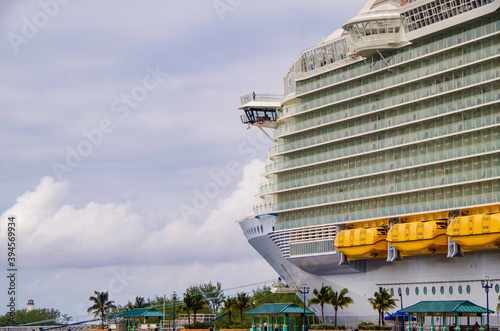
(60, 244)
(56, 235)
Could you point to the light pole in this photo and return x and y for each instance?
(402, 314)
(163, 320)
(304, 290)
(174, 297)
(487, 284)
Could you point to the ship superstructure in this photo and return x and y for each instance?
(385, 166)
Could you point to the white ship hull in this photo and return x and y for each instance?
(412, 272)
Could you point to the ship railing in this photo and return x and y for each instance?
(406, 2)
(267, 188)
(261, 209)
(260, 97)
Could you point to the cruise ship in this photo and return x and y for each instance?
(384, 163)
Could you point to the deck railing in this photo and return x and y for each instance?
(260, 97)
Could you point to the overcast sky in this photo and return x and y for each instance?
(123, 157)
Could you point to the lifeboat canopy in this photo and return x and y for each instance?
(476, 232)
(362, 243)
(419, 238)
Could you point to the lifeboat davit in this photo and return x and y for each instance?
(362, 244)
(476, 232)
(419, 238)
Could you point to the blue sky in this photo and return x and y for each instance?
(146, 93)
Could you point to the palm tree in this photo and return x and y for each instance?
(498, 306)
(229, 305)
(322, 296)
(242, 303)
(66, 318)
(340, 300)
(193, 301)
(381, 302)
(139, 302)
(213, 294)
(101, 305)
(128, 306)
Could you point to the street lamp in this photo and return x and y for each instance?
(487, 284)
(304, 290)
(174, 297)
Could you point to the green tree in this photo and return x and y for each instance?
(243, 301)
(129, 306)
(139, 302)
(193, 302)
(264, 295)
(42, 315)
(322, 297)
(340, 300)
(101, 305)
(229, 305)
(213, 295)
(381, 302)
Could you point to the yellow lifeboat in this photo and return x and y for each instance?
(475, 232)
(419, 238)
(361, 244)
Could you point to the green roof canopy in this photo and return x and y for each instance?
(443, 307)
(141, 312)
(278, 308)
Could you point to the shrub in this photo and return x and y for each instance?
(326, 327)
(198, 325)
(371, 326)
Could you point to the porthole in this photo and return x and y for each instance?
(451, 289)
(460, 289)
(261, 229)
(425, 290)
(441, 290)
(434, 290)
(416, 290)
(468, 289)
(497, 288)
(407, 291)
(392, 291)
(399, 291)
